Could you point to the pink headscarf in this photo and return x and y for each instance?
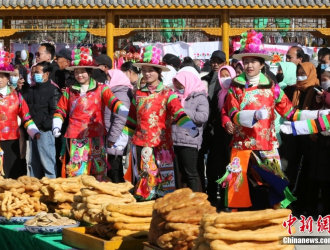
(118, 78)
(223, 92)
(191, 84)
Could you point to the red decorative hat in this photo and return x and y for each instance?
(82, 58)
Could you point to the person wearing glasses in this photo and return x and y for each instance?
(46, 53)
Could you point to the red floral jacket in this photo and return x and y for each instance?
(149, 118)
(11, 106)
(86, 112)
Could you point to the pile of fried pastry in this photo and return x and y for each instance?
(257, 230)
(176, 219)
(124, 222)
(95, 195)
(59, 194)
(20, 198)
(44, 219)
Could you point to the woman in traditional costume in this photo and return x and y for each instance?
(254, 177)
(12, 106)
(152, 110)
(84, 105)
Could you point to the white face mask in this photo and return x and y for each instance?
(325, 85)
(226, 81)
(301, 78)
(181, 91)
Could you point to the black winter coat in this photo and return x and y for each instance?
(42, 100)
(57, 75)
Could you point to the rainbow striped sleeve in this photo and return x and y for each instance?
(236, 118)
(131, 123)
(23, 112)
(62, 106)
(176, 110)
(319, 125)
(285, 108)
(110, 100)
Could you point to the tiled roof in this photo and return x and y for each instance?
(139, 3)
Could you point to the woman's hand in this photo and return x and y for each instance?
(230, 127)
(20, 84)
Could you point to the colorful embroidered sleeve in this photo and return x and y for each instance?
(284, 106)
(176, 110)
(113, 103)
(131, 120)
(62, 106)
(232, 105)
(23, 113)
(306, 127)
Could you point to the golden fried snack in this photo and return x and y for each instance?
(88, 192)
(94, 206)
(121, 238)
(106, 187)
(87, 218)
(248, 225)
(128, 219)
(64, 205)
(205, 246)
(107, 199)
(71, 187)
(259, 245)
(191, 215)
(132, 226)
(183, 201)
(182, 227)
(264, 234)
(132, 210)
(34, 193)
(64, 212)
(30, 183)
(92, 211)
(135, 234)
(8, 184)
(172, 198)
(63, 197)
(250, 216)
(47, 181)
(157, 227)
(169, 240)
(5, 201)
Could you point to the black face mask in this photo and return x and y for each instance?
(279, 77)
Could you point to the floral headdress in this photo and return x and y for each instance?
(251, 45)
(82, 58)
(151, 57)
(25, 58)
(5, 62)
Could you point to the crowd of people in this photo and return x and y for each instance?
(215, 129)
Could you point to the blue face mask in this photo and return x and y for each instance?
(13, 81)
(324, 66)
(181, 91)
(38, 78)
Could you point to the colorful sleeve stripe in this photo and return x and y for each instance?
(128, 131)
(57, 115)
(173, 96)
(232, 111)
(27, 117)
(60, 110)
(236, 119)
(291, 112)
(114, 104)
(129, 119)
(66, 94)
(28, 123)
(312, 126)
(324, 123)
(179, 112)
(183, 119)
(279, 98)
(297, 115)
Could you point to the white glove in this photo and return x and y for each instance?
(286, 127)
(261, 114)
(324, 112)
(56, 132)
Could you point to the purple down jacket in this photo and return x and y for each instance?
(196, 107)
